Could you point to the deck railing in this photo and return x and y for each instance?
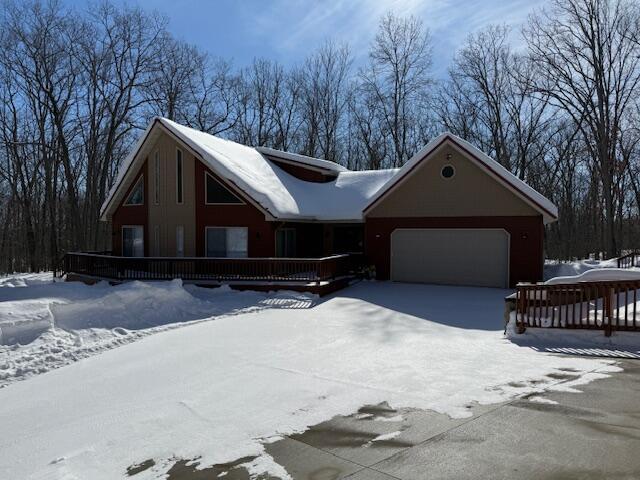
(629, 260)
(606, 306)
(211, 269)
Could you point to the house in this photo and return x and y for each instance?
(450, 215)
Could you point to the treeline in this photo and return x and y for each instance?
(561, 111)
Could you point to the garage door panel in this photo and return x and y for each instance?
(451, 256)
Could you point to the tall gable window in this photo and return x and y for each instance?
(136, 197)
(179, 179)
(156, 178)
(216, 193)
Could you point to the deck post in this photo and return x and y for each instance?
(608, 311)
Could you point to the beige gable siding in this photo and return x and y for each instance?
(470, 193)
(167, 214)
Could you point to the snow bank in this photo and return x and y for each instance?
(45, 324)
(218, 390)
(598, 275)
(27, 279)
(555, 268)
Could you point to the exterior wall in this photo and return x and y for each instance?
(470, 192)
(168, 214)
(131, 215)
(526, 248)
(261, 234)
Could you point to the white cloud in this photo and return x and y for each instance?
(296, 27)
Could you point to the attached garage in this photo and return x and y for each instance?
(478, 257)
(454, 216)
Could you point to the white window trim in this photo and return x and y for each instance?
(227, 204)
(135, 185)
(225, 227)
(156, 178)
(180, 201)
(122, 238)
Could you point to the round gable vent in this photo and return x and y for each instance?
(448, 171)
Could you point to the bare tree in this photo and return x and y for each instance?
(397, 79)
(213, 97)
(117, 56)
(256, 89)
(170, 86)
(587, 64)
(324, 99)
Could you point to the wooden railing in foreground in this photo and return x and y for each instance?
(608, 306)
(629, 260)
(212, 269)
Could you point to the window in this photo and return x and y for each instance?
(226, 242)
(136, 197)
(179, 182)
(133, 241)
(179, 241)
(156, 240)
(448, 171)
(286, 242)
(217, 193)
(156, 178)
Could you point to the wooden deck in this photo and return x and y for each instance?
(606, 306)
(317, 275)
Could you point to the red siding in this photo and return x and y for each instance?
(261, 241)
(526, 249)
(131, 215)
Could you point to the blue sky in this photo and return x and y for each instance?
(287, 30)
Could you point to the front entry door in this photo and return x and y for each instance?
(133, 241)
(286, 242)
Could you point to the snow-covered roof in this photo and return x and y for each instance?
(283, 196)
(538, 201)
(279, 193)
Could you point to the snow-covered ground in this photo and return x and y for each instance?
(246, 369)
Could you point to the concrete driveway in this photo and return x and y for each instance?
(589, 435)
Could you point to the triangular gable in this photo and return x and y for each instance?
(536, 200)
(125, 173)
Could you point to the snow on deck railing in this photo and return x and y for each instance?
(593, 305)
(212, 268)
(630, 260)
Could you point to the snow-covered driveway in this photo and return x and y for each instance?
(220, 389)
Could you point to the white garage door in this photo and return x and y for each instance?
(451, 256)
